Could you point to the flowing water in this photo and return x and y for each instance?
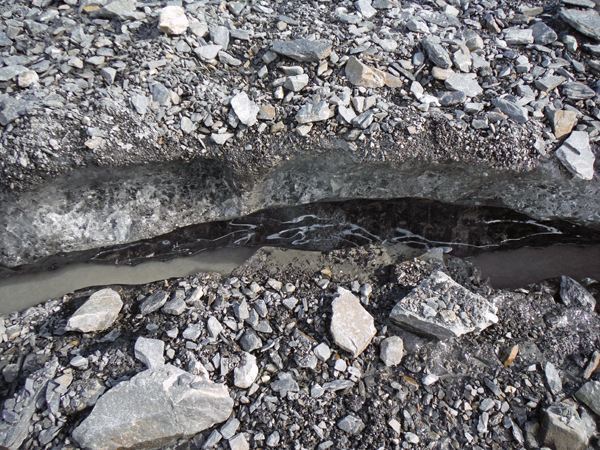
(496, 239)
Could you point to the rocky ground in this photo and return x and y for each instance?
(359, 348)
(100, 82)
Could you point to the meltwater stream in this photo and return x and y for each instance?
(498, 240)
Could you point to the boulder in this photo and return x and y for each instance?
(172, 20)
(576, 155)
(155, 407)
(352, 327)
(574, 294)
(589, 394)
(562, 428)
(98, 313)
(442, 309)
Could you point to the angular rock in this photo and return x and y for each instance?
(153, 408)
(360, 74)
(98, 313)
(302, 50)
(441, 74)
(214, 327)
(562, 122)
(552, 378)
(576, 155)
(543, 34)
(512, 110)
(351, 424)
(392, 351)
(472, 40)
(589, 394)
(466, 83)
(10, 72)
(154, 302)
(239, 442)
(352, 327)
(220, 36)
(172, 20)
(245, 109)
(285, 384)
(245, 374)
(150, 352)
(437, 54)
(296, 83)
(585, 21)
(574, 294)
(577, 91)
(322, 352)
(140, 103)
(123, 9)
(416, 312)
(365, 8)
(250, 341)
(29, 78)
(313, 112)
(562, 428)
(207, 52)
(518, 36)
(549, 82)
(592, 365)
(177, 306)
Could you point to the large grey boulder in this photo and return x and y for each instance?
(574, 294)
(98, 313)
(576, 155)
(563, 428)
(352, 327)
(589, 394)
(585, 21)
(442, 309)
(155, 407)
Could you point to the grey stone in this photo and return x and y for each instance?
(245, 109)
(208, 52)
(365, 8)
(313, 112)
(577, 91)
(410, 314)
(430, 379)
(160, 94)
(228, 59)
(230, 427)
(302, 50)
(437, 54)
(245, 374)
(364, 120)
(351, 424)
(352, 327)
(192, 332)
(140, 103)
(296, 83)
(154, 302)
(360, 74)
(574, 294)
(12, 108)
(472, 40)
(11, 72)
(153, 408)
(589, 394)
(98, 313)
(543, 34)
(239, 442)
(123, 9)
(392, 351)
(273, 439)
(285, 384)
(549, 82)
(214, 327)
(109, 74)
(241, 310)
(322, 352)
(466, 83)
(417, 26)
(219, 36)
(518, 36)
(511, 109)
(482, 423)
(250, 341)
(177, 306)
(172, 20)
(585, 21)
(562, 428)
(552, 378)
(150, 352)
(576, 155)
(4, 40)
(213, 439)
(79, 362)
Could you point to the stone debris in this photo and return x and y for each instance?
(585, 21)
(352, 327)
(589, 394)
(576, 155)
(302, 50)
(177, 403)
(575, 295)
(245, 109)
(98, 313)
(552, 378)
(392, 351)
(592, 365)
(150, 352)
(245, 374)
(562, 427)
(442, 309)
(172, 20)
(351, 424)
(154, 302)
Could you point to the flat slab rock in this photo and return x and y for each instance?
(442, 309)
(152, 409)
(98, 313)
(352, 327)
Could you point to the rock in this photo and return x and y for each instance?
(352, 327)
(472, 40)
(172, 20)
(250, 341)
(549, 82)
(245, 374)
(214, 327)
(543, 34)
(592, 365)
(108, 74)
(430, 379)
(511, 109)
(392, 351)
(441, 74)
(11, 72)
(518, 36)
(122, 9)
(417, 26)
(29, 78)
(562, 122)
(296, 83)
(192, 332)
(153, 408)
(154, 302)
(239, 442)
(220, 138)
(177, 306)
(98, 313)
(302, 50)
(140, 103)
(437, 54)
(574, 294)
(365, 8)
(322, 352)
(220, 36)
(552, 378)
(351, 424)
(360, 74)
(576, 155)
(589, 394)
(577, 91)
(207, 52)
(150, 352)
(313, 112)
(509, 355)
(562, 428)
(466, 83)
(422, 313)
(273, 439)
(230, 427)
(285, 384)
(585, 21)
(245, 109)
